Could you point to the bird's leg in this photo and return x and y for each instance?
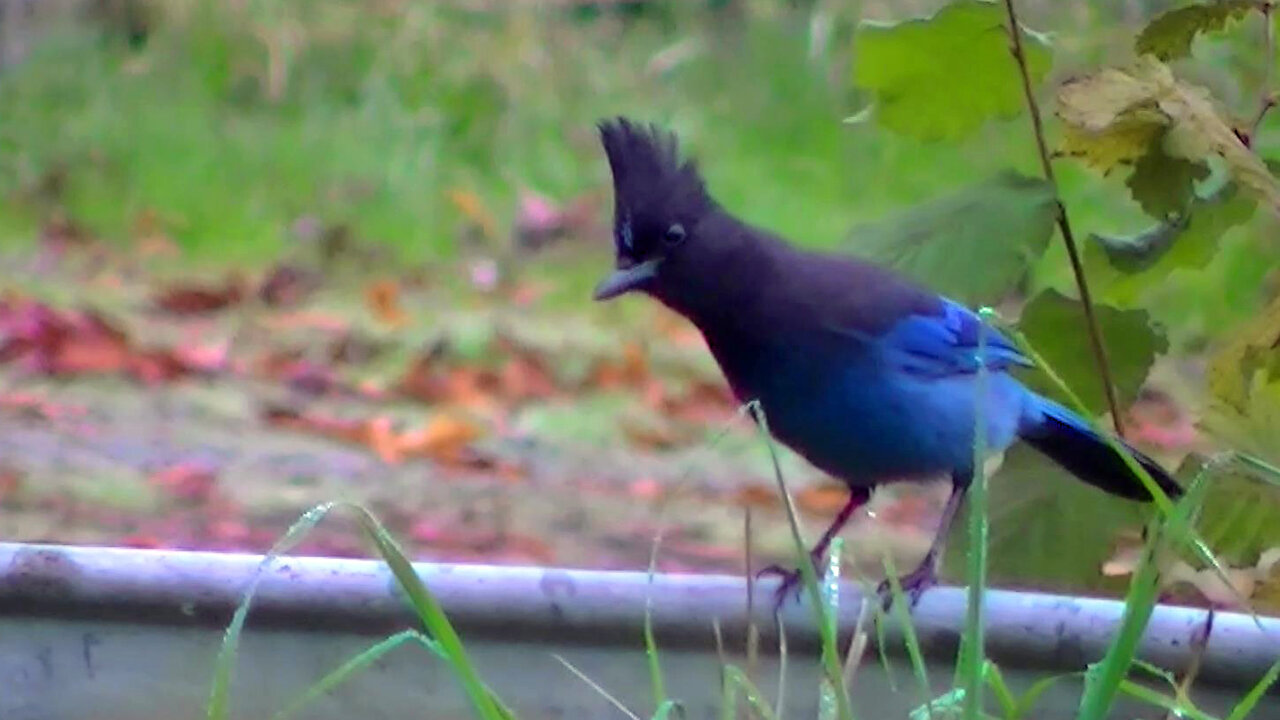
(925, 575)
(858, 497)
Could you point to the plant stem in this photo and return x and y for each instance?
(1267, 98)
(1068, 238)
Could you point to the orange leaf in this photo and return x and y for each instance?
(443, 438)
(758, 496)
(823, 499)
(383, 439)
(383, 300)
(472, 207)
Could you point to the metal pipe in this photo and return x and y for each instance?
(1054, 632)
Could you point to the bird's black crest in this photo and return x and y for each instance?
(649, 176)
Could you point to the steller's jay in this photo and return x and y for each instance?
(868, 376)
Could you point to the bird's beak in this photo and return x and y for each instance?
(626, 279)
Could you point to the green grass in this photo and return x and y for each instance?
(376, 119)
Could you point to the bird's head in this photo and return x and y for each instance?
(659, 202)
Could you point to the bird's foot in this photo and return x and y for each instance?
(913, 585)
(790, 581)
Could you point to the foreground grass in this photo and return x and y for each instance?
(1115, 676)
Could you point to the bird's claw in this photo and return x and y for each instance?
(913, 586)
(789, 583)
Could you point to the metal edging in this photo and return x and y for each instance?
(1054, 632)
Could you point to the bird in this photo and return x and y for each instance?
(868, 375)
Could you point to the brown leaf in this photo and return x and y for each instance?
(287, 285)
(383, 300)
(472, 207)
(525, 378)
(758, 496)
(445, 437)
(631, 370)
(822, 499)
(10, 484)
(193, 299)
(186, 481)
(1206, 582)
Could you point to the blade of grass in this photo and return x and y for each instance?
(1179, 707)
(668, 708)
(728, 695)
(858, 645)
(1266, 471)
(355, 665)
(753, 631)
(909, 639)
(1102, 681)
(831, 597)
(755, 698)
(781, 700)
(881, 620)
(830, 656)
(1004, 696)
(656, 683)
(969, 667)
(220, 691)
(596, 686)
(1027, 701)
(1251, 699)
(432, 616)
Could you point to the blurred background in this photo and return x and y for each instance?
(261, 254)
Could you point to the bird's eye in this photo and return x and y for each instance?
(674, 235)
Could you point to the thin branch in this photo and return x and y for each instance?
(1268, 98)
(1068, 238)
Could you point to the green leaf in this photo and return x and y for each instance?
(942, 77)
(1162, 184)
(1054, 325)
(1188, 242)
(974, 244)
(1048, 529)
(1135, 253)
(1170, 34)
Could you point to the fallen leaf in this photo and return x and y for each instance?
(10, 484)
(1206, 582)
(186, 481)
(287, 285)
(757, 496)
(194, 299)
(822, 499)
(383, 300)
(444, 437)
(472, 207)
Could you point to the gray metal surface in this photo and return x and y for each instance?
(109, 633)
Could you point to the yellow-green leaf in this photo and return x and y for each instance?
(1171, 33)
(942, 77)
(1138, 104)
(1256, 347)
(1109, 118)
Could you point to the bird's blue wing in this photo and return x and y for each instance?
(946, 343)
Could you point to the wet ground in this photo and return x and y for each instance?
(158, 408)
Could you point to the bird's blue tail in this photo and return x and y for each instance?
(1069, 441)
